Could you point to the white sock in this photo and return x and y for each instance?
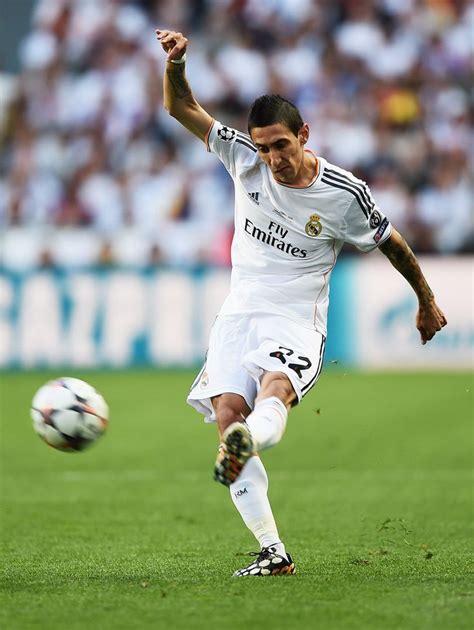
(249, 494)
(267, 422)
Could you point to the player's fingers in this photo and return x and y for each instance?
(432, 332)
(441, 321)
(172, 35)
(173, 49)
(422, 332)
(168, 36)
(180, 40)
(167, 39)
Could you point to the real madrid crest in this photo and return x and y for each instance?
(204, 380)
(313, 227)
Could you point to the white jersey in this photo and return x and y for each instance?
(287, 239)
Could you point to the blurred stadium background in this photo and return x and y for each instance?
(115, 223)
(115, 228)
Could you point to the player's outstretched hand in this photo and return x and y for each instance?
(429, 321)
(173, 43)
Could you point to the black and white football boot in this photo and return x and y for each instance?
(236, 448)
(268, 562)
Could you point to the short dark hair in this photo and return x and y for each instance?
(270, 109)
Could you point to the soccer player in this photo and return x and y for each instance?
(293, 213)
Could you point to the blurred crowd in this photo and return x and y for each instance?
(94, 171)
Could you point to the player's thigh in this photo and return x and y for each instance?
(223, 371)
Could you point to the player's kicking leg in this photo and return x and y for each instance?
(239, 467)
(263, 428)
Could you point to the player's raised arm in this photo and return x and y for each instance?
(178, 97)
(429, 319)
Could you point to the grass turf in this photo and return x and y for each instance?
(371, 487)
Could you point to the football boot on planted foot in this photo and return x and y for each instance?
(236, 448)
(268, 562)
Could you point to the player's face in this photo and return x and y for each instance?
(281, 150)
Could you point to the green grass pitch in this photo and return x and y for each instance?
(371, 487)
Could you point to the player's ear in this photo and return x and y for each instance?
(303, 134)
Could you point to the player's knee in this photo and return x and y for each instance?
(279, 385)
(226, 416)
(228, 409)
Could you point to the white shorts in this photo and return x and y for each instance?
(242, 348)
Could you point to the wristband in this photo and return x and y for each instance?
(180, 60)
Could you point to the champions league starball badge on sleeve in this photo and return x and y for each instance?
(226, 134)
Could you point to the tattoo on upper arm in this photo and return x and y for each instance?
(398, 251)
(178, 82)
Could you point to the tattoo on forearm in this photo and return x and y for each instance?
(404, 260)
(178, 82)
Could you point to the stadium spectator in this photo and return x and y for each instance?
(383, 84)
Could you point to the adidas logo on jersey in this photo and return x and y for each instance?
(255, 197)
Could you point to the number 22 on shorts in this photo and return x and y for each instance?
(283, 353)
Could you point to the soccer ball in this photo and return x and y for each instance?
(69, 414)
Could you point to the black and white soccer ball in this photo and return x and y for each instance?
(69, 414)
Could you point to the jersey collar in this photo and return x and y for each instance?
(315, 178)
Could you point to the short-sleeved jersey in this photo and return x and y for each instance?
(287, 239)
